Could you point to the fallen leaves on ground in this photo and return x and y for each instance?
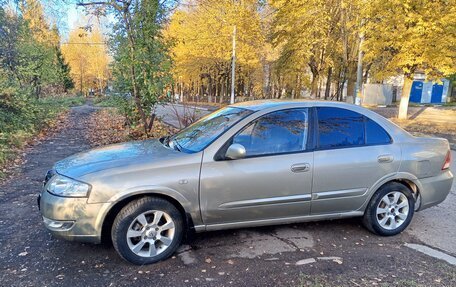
(107, 126)
(426, 121)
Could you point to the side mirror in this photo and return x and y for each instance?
(235, 151)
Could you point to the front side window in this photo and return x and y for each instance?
(278, 132)
(339, 128)
(203, 132)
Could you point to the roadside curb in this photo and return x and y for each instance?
(432, 252)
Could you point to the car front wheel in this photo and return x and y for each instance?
(390, 210)
(147, 230)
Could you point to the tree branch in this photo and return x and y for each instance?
(100, 3)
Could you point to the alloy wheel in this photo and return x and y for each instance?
(150, 233)
(392, 210)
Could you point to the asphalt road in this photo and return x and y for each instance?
(329, 253)
(171, 113)
(436, 226)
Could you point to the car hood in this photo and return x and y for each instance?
(114, 156)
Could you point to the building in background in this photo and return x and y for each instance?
(423, 92)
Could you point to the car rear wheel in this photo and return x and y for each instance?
(390, 210)
(147, 230)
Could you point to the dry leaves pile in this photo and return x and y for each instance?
(107, 126)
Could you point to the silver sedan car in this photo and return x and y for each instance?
(249, 164)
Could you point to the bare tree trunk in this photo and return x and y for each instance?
(266, 78)
(299, 86)
(131, 43)
(328, 83)
(319, 88)
(216, 91)
(222, 91)
(366, 72)
(405, 97)
(314, 85)
(351, 80)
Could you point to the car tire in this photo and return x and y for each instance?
(147, 230)
(390, 210)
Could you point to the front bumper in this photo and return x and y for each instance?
(71, 218)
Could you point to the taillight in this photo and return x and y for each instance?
(447, 163)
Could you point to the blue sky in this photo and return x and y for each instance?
(72, 17)
(74, 13)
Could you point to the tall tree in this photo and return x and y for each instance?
(141, 59)
(88, 59)
(317, 36)
(202, 33)
(64, 71)
(410, 36)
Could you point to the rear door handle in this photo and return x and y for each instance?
(300, 167)
(385, 158)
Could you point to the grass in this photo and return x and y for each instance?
(106, 101)
(21, 121)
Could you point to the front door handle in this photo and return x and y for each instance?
(300, 167)
(385, 158)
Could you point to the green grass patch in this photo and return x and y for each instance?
(63, 101)
(106, 101)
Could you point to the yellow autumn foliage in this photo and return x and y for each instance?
(202, 33)
(87, 56)
(33, 13)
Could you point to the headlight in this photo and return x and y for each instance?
(64, 186)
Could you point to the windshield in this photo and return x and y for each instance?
(203, 132)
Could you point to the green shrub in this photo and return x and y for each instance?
(22, 116)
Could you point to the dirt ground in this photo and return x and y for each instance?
(426, 121)
(329, 253)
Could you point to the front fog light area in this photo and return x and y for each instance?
(58, 225)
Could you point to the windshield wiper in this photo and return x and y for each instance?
(176, 145)
(165, 140)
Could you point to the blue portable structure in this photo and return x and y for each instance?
(416, 91)
(429, 92)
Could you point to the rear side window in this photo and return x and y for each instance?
(339, 128)
(375, 134)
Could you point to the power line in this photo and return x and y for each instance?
(82, 43)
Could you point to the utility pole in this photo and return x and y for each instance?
(359, 71)
(233, 66)
(181, 96)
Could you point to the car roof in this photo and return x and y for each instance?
(259, 105)
(394, 130)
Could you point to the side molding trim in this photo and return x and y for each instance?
(266, 201)
(339, 193)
